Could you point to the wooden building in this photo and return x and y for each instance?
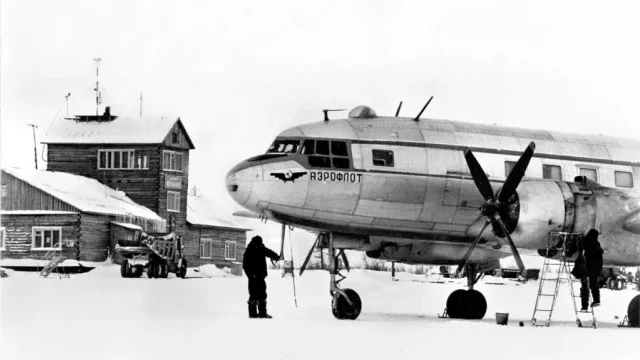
(45, 211)
(148, 159)
(212, 237)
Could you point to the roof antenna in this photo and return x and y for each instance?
(421, 111)
(399, 107)
(326, 113)
(97, 89)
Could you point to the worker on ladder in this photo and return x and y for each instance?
(587, 268)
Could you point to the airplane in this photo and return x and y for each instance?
(442, 192)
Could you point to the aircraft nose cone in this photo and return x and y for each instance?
(240, 180)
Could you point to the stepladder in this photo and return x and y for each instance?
(562, 250)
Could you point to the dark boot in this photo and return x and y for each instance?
(584, 296)
(253, 310)
(262, 310)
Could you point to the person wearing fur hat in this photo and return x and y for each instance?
(254, 265)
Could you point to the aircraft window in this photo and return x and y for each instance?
(382, 157)
(320, 161)
(589, 173)
(322, 147)
(624, 179)
(284, 146)
(508, 167)
(340, 163)
(307, 147)
(553, 172)
(339, 148)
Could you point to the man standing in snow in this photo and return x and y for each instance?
(254, 265)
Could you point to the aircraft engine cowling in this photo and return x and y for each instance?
(349, 242)
(543, 206)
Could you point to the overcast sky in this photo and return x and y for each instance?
(239, 72)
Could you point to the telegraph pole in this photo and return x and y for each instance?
(66, 97)
(97, 89)
(35, 150)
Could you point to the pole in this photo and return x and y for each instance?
(140, 104)
(35, 149)
(97, 60)
(66, 97)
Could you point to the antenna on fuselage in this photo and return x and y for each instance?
(421, 111)
(399, 107)
(326, 113)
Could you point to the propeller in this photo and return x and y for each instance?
(496, 207)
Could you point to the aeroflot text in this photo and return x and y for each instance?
(335, 176)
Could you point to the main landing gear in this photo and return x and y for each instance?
(346, 303)
(467, 304)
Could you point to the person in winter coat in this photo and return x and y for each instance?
(580, 272)
(593, 262)
(254, 265)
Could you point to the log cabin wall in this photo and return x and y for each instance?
(19, 195)
(140, 185)
(94, 237)
(19, 233)
(195, 235)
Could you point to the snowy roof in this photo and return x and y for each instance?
(122, 130)
(203, 211)
(85, 194)
(36, 212)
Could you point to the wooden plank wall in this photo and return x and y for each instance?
(22, 196)
(82, 159)
(182, 144)
(191, 239)
(19, 234)
(94, 237)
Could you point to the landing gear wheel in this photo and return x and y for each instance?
(455, 304)
(466, 304)
(633, 312)
(182, 268)
(342, 309)
(125, 269)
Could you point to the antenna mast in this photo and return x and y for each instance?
(141, 104)
(97, 89)
(35, 149)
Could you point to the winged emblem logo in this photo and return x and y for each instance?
(289, 176)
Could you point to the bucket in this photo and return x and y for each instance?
(502, 318)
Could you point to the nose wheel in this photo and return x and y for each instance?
(346, 305)
(466, 304)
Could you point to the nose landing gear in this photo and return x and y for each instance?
(346, 303)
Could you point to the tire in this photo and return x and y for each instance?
(125, 269)
(151, 270)
(341, 308)
(476, 305)
(633, 312)
(164, 270)
(455, 304)
(610, 284)
(137, 271)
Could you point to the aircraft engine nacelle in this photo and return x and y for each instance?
(349, 242)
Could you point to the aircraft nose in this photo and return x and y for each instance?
(240, 180)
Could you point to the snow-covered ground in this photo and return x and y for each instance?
(99, 315)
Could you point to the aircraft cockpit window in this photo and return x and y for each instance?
(322, 147)
(320, 161)
(284, 146)
(339, 148)
(382, 157)
(308, 147)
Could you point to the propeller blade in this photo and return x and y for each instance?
(399, 107)
(479, 177)
(516, 175)
(284, 228)
(514, 251)
(344, 259)
(306, 260)
(467, 256)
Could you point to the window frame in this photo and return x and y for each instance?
(132, 157)
(204, 241)
(173, 154)
(587, 167)
(3, 238)
(177, 194)
(373, 157)
(615, 178)
(506, 167)
(314, 157)
(552, 166)
(34, 229)
(226, 249)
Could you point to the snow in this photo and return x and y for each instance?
(85, 194)
(99, 315)
(36, 212)
(41, 263)
(128, 226)
(123, 130)
(204, 211)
